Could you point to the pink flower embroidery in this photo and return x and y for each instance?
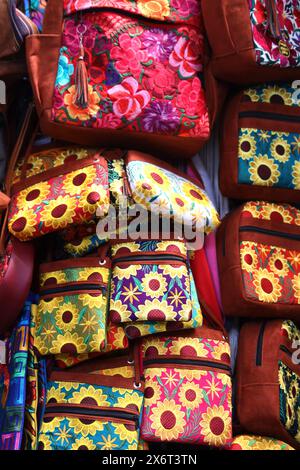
(191, 97)
(128, 55)
(128, 101)
(186, 57)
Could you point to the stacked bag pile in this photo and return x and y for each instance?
(118, 343)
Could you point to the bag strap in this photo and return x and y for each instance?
(30, 120)
(53, 18)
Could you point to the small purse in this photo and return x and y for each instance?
(187, 388)
(72, 311)
(150, 282)
(92, 407)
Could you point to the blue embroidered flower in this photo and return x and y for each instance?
(64, 71)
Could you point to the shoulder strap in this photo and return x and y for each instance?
(53, 17)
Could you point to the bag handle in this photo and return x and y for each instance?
(53, 18)
(29, 120)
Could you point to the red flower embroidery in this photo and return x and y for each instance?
(185, 57)
(129, 55)
(161, 81)
(191, 97)
(128, 101)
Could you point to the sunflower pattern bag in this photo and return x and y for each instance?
(91, 411)
(250, 442)
(161, 189)
(187, 389)
(72, 311)
(150, 282)
(260, 144)
(54, 188)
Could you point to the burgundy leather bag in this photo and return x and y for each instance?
(16, 258)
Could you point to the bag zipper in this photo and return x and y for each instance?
(149, 258)
(188, 362)
(74, 288)
(259, 347)
(286, 350)
(249, 228)
(109, 413)
(270, 116)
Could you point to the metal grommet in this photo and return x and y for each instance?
(102, 263)
(130, 362)
(137, 386)
(180, 239)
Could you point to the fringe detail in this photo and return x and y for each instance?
(273, 20)
(81, 82)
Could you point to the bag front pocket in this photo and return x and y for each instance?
(72, 311)
(90, 412)
(150, 282)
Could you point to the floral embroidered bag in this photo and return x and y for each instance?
(268, 380)
(258, 248)
(72, 311)
(187, 388)
(253, 41)
(260, 144)
(91, 407)
(150, 282)
(57, 186)
(122, 72)
(250, 442)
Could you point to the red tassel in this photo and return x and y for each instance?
(273, 20)
(81, 98)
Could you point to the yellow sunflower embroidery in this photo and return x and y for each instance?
(213, 387)
(93, 301)
(48, 306)
(143, 191)
(271, 210)
(86, 429)
(157, 177)
(58, 277)
(94, 199)
(174, 271)
(125, 434)
(154, 345)
(83, 443)
(131, 247)
(156, 310)
(51, 425)
(264, 135)
(296, 175)
(276, 94)
(278, 263)
(91, 324)
(190, 395)
(70, 154)
(107, 443)
(154, 284)
(247, 145)
(249, 258)
(23, 224)
(56, 395)
(66, 317)
(164, 246)
(252, 94)
(296, 287)
(44, 442)
(280, 150)
(168, 421)
(126, 272)
(180, 206)
(131, 293)
(221, 350)
(78, 249)
(267, 286)
(130, 399)
(77, 181)
(90, 395)
(188, 347)
(59, 213)
(216, 426)
(193, 193)
(119, 312)
(34, 195)
(94, 273)
(152, 392)
(126, 372)
(155, 9)
(68, 343)
(263, 171)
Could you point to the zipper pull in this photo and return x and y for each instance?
(81, 98)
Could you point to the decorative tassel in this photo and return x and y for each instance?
(273, 20)
(81, 98)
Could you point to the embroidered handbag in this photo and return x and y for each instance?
(35, 10)
(125, 73)
(13, 384)
(253, 41)
(91, 411)
(260, 151)
(72, 311)
(162, 189)
(16, 258)
(146, 328)
(250, 442)
(150, 282)
(187, 388)
(268, 380)
(57, 187)
(258, 248)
